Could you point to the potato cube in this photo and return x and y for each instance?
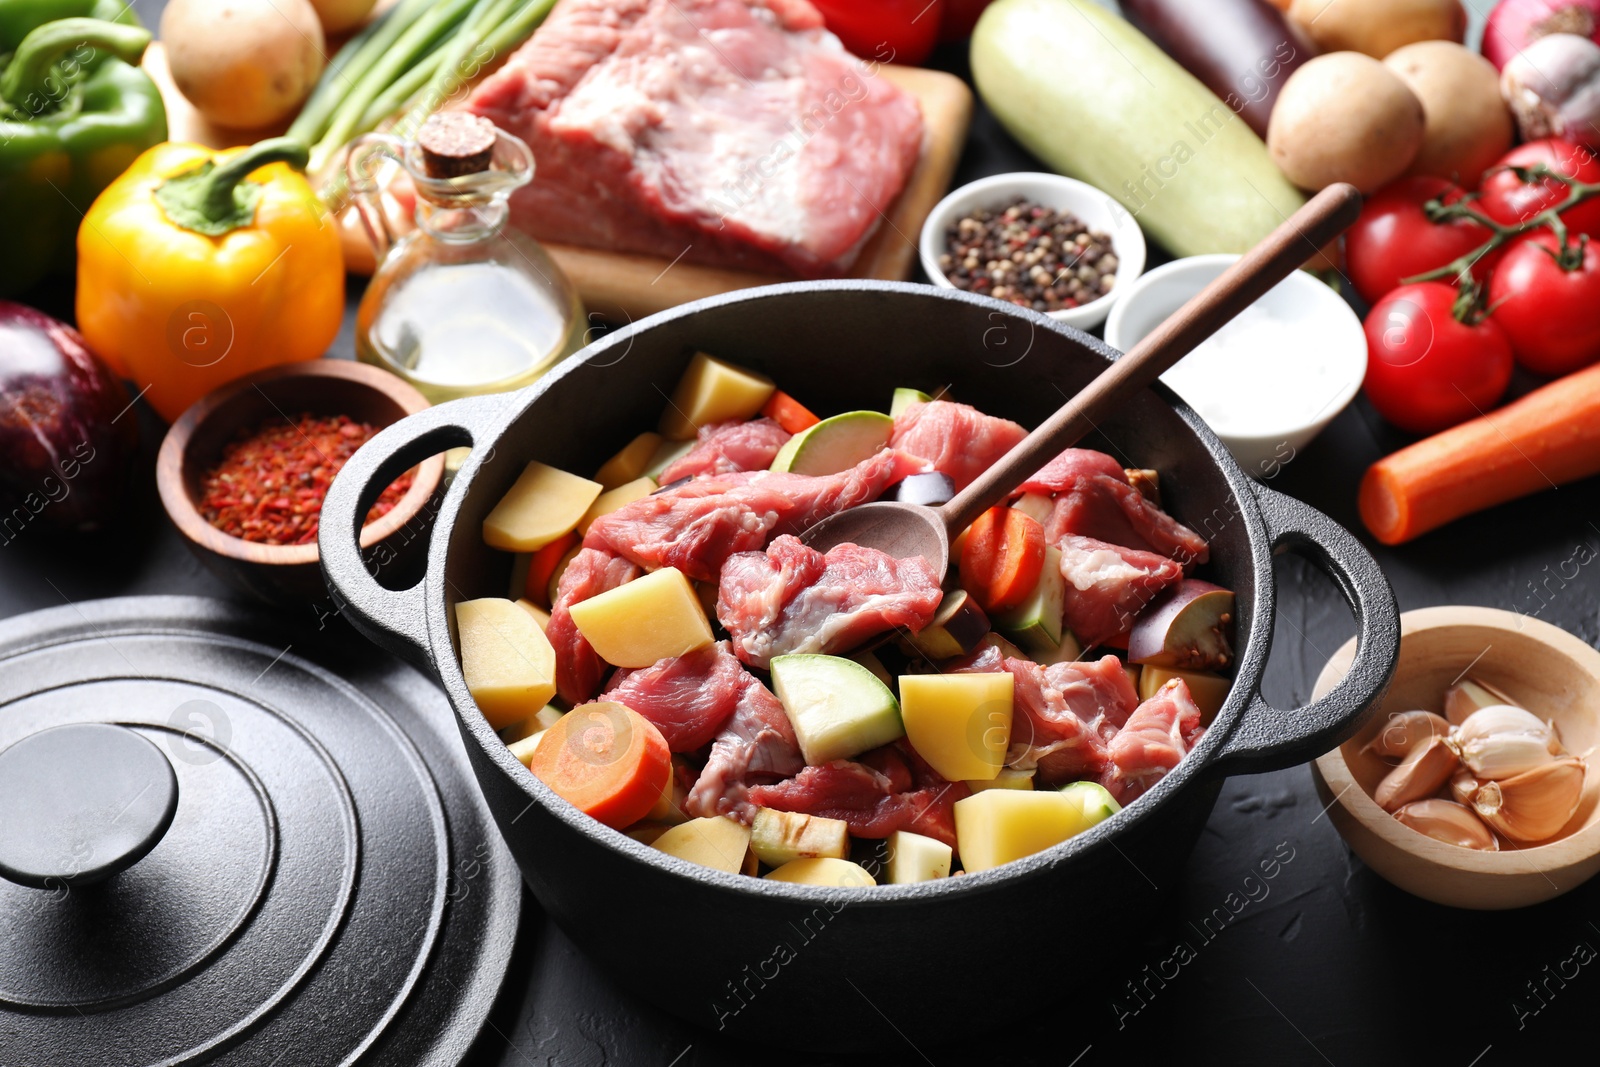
(717, 842)
(712, 390)
(646, 620)
(1000, 825)
(523, 749)
(540, 615)
(612, 499)
(543, 504)
(629, 463)
(823, 871)
(780, 836)
(915, 858)
(508, 662)
(959, 723)
(538, 722)
(1008, 778)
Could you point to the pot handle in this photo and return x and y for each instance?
(1266, 738)
(393, 619)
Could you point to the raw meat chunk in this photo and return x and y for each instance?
(866, 797)
(726, 447)
(1063, 715)
(960, 442)
(688, 697)
(1093, 498)
(579, 667)
(1159, 733)
(792, 598)
(735, 133)
(756, 746)
(1107, 585)
(698, 525)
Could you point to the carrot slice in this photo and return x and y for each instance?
(1002, 559)
(1549, 437)
(788, 412)
(606, 760)
(543, 565)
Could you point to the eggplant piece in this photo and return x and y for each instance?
(1242, 50)
(956, 629)
(67, 435)
(930, 490)
(1190, 628)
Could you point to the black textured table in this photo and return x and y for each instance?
(1320, 962)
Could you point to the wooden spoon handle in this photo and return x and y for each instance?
(1284, 250)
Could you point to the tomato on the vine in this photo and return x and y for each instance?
(1393, 239)
(1508, 199)
(1551, 314)
(1428, 370)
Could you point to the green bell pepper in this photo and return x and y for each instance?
(75, 111)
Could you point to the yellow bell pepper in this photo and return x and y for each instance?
(198, 267)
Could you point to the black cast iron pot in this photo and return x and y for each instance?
(790, 965)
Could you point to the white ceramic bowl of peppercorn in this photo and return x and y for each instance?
(1066, 248)
(273, 430)
(1514, 658)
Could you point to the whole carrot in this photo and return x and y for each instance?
(1547, 438)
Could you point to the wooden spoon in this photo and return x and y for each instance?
(906, 530)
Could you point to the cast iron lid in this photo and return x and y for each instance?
(211, 845)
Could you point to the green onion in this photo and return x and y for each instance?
(357, 55)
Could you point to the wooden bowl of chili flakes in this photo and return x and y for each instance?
(243, 472)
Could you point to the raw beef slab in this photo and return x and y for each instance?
(732, 133)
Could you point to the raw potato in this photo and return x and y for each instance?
(508, 662)
(630, 462)
(713, 390)
(612, 499)
(1378, 27)
(340, 15)
(540, 506)
(1468, 126)
(959, 723)
(1000, 825)
(244, 63)
(914, 858)
(648, 619)
(823, 872)
(717, 842)
(537, 723)
(1345, 117)
(1008, 778)
(540, 615)
(1209, 690)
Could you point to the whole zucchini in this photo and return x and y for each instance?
(1094, 98)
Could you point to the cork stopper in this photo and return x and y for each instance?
(455, 143)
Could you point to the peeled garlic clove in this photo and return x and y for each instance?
(1464, 786)
(1464, 698)
(1534, 805)
(1447, 821)
(1405, 730)
(1419, 775)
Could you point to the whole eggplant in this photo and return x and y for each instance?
(67, 437)
(1242, 50)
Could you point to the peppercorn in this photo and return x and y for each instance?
(1031, 255)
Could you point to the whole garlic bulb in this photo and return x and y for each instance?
(1553, 88)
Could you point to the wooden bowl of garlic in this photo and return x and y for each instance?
(1472, 786)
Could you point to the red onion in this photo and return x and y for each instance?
(67, 434)
(1515, 24)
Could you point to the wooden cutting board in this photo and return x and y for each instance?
(627, 287)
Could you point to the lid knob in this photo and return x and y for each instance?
(80, 803)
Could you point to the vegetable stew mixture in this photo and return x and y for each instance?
(743, 701)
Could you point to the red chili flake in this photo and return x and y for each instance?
(271, 481)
